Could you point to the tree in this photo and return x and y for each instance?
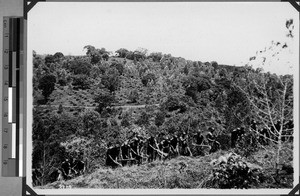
(174, 103)
(38, 97)
(93, 54)
(90, 122)
(148, 78)
(104, 98)
(195, 83)
(271, 99)
(127, 119)
(58, 55)
(111, 79)
(122, 52)
(119, 66)
(156, 56)
(105, 56)
(47, 84)
(96, 54)
(60, 109)
(81, 82)
(47, 132)
(49, 59)
(80, 65)
(143, 119)
(160, 118)
(89, 149)
(130, 55)
(238, 109)
(214, 64)
(133, 96)
(62, 77)
(37, 61)
(140, 54)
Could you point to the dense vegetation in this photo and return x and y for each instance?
(77, 103)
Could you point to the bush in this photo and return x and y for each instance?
(133, 96)
(119, 66)
(230, 171)
(81, 82)
(80, 66)
(122, 52)
(149, 78)
(173, 104)
(160, 118)
(49, 59)
(247, 144)
(47, 85)
(130, 55)
(62, 82)
(58, 55)
(111, 80)
(143, 119)
(126, 119)
(224, 140)
(104, 99)
(156, 56)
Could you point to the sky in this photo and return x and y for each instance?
(229, 33)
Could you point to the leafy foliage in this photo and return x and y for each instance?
(248, 144)
(111, 79)
(80, 66)
(46, 84)
(104, 100)
(234, 173)
(95, 54)
(156, 56)
(122, 52)
(80, 82)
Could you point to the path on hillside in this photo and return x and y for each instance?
(94, 107)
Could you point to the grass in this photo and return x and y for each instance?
(71, 97)
(181, 173)
(157, 174)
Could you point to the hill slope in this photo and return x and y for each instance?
(181, 172)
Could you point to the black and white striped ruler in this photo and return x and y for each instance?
(13, 51)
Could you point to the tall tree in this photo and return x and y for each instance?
(271, 99)
(122, 52)
(47, 84)
(104, 98)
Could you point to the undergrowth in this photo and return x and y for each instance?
(185, 173)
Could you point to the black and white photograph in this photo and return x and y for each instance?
(164, 95)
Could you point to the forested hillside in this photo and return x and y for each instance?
(82, 103)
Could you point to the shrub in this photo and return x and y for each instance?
(119, 66)
(224, 140)
(80, 66)
(49, 59)
(247, 144)
(58, 55)
(47, 85)
(231, 171)
(133, 96)
(81, 82)
(160, 118)
(156, 56)
(104, 99)
(122, 52)
(62, 82)
(149, 78)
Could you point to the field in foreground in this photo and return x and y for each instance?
(180, 172)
